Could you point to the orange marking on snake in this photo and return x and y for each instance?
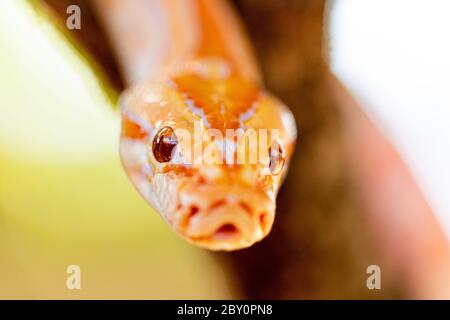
(223, 101)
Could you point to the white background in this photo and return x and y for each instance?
(395, 57)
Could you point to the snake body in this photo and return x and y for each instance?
(189, 68)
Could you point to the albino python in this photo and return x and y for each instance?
(187, 63)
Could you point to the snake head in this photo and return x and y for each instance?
(209, 154)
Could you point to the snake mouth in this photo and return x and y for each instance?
(223, 219)
(226, 232)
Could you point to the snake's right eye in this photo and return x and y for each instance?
(276, 158)
(164, 144)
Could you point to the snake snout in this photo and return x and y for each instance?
(223, 219)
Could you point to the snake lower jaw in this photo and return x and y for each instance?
(225, 229)
(227, 237)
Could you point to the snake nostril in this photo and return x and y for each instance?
(226, 231)
(188, 215)
(193, 210)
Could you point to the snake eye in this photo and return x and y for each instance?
(276, 158)
(164, 144)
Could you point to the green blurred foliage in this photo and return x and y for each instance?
(64, 198)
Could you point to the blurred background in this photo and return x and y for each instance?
(393, 55)
(64, 198)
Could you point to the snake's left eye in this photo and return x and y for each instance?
(276, 158)
(164, 144)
